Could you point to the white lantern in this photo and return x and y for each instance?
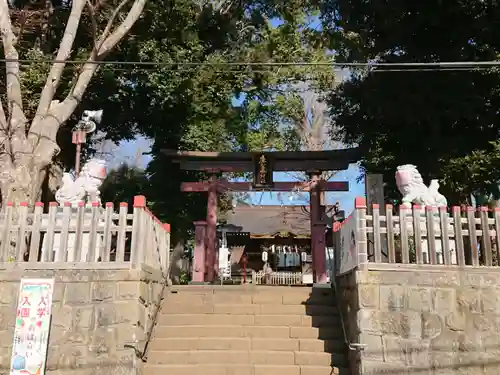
(303, 256)
(264, 256)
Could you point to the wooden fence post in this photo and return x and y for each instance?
(486, 253)
(459, 239)
(36, 232)
(51, 226)
(471, 221)
(403, 234)
(361, 237)
(138, 238)
(417, 233)
(166, 249)
(9, 211)
(121, 238)
(390, 234)
(445, 235)
(105, 249)
(21, 235)
(431, 235)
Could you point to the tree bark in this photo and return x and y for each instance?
(22, 184)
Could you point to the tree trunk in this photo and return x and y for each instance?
(22, 185)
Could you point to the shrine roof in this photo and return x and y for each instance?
(268, 221)
(327, 160)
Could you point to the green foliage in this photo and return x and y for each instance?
(441, 121)
(122, 184)
(190, 107)
(184, 278)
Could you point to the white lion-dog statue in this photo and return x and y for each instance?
(85, 187)
(412, 187)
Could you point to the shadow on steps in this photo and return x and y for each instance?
(322, 307)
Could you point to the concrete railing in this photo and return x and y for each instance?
(419, 235)
(85, 234)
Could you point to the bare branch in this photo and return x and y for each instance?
(5, 153)
(22, 23)
(94, 23)
(14, 96)
(3, 119)
(63, 54)
(109, 42)
(110, 24)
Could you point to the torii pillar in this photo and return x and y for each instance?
(318, 229)
(211, 236)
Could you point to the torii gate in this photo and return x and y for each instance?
(262, 164)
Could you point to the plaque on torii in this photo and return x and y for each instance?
(262, 165)
(262, 171)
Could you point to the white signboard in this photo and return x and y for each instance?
(31, 332)
(348, 250)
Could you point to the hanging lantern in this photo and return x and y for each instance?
(264, 256)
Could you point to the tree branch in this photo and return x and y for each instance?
(110, 23)
(41, 134)
(107, 44)
(3, 119)
(12, 71)
(14, 124)
(94, 23)
(5, 152)
(63, 54)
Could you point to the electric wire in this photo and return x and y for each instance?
(221, 69)
(370, 65)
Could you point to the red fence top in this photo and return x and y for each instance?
(139, 203)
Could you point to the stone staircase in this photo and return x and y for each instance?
(245, 330)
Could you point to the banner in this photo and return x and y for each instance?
(31, 332)
(348, 249)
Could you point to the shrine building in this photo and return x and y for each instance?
(281, 234)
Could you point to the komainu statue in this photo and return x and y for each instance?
(412, 187)
(86, 186)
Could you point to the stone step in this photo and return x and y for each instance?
(193, 331)
(242, 370)
(249, 320)
(221, 343)
(171, 307)
(260, 289)
(244, 357)
(252, 298)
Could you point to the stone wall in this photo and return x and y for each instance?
(425, 320)
(348, 291)
(98, 316)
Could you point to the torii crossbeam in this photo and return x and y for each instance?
(224, 186)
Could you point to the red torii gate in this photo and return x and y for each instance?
(262, 164)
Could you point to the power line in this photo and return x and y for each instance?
(223, 69)
(442, 65)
